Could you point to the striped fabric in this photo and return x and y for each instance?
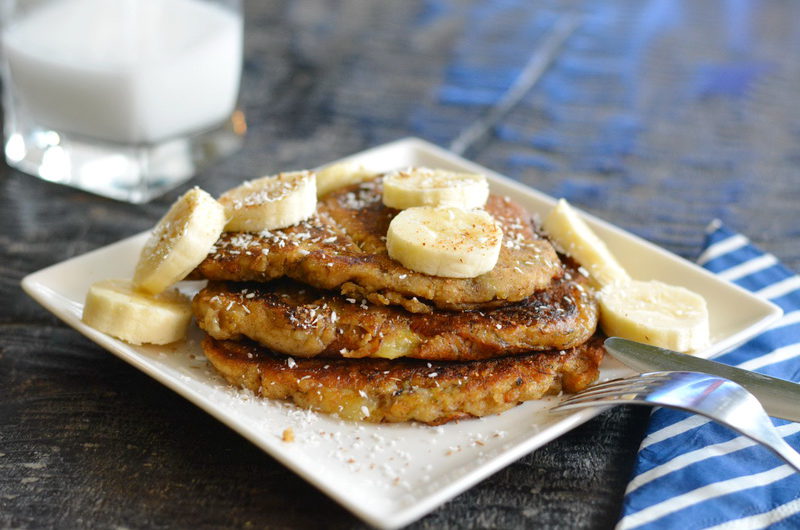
(694, 473)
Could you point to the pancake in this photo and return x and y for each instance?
(381, 390)
(294, 319)
(342, 248)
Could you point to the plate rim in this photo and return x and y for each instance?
(35, 289)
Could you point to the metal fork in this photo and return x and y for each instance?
(716, 398)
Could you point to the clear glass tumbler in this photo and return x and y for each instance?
(122, 98)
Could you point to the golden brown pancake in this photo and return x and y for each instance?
(381, 390)
(292, 318)
(342, 248)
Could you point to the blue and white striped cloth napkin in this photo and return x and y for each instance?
(694, 473)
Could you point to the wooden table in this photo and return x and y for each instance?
(657, 116)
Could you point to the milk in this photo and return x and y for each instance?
(127, 71)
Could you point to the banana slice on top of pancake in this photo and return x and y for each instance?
(422, 186)
(272, 202)
(445, 241)
(339, 175)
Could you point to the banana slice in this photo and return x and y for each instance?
(445, 241)
(573, 235)
(655, 313)
(339, 175)
(422, 186)
(652, 312)
(180, 241)
(116, 308)
(271, 202)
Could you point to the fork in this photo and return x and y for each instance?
(716, 398)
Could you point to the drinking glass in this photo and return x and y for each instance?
(122, 98)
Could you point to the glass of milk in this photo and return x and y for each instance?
(123, 98)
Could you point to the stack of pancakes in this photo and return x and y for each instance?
(319, 314)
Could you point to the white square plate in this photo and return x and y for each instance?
(389, 475)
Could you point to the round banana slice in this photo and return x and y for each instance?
(445, 241)
(271, 202)
(655, 313)
(180, 241)
(422, 186)
(566, 228)
(116, 308)
(339, 175)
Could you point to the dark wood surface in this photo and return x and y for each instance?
(658, 116)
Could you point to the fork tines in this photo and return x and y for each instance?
(627, 388)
